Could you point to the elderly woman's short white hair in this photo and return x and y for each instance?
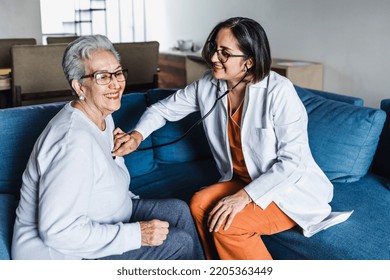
(78, 51)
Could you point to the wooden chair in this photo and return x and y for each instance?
(141, 58)
(5, 49)
(37, 75)
(61, 39)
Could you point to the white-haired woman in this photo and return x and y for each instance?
(75, 200)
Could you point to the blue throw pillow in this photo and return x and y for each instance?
(193, 147)
(342, 137)
(132, 107)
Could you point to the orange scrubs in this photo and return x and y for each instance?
(242, 240)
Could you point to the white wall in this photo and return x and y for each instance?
(350, 37)
(20, 18)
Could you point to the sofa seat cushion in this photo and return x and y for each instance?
(364, 236)
(7, 218)
(342, 137)
(132, 107)
(187, 149)
(180, 180)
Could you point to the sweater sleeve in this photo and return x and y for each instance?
(66, 183)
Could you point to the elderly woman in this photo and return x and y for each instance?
(75, 199)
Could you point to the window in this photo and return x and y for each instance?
(119, 20)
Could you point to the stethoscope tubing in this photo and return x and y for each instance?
(201, 119)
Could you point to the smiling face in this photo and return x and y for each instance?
(101, 100)
(234, 68)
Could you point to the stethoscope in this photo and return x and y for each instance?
(202, 118)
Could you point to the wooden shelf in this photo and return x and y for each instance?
(83, 18)
(172, 72)
(90, 10)
(302, 73)
(177, 69)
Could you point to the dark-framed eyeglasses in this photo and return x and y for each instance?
(104, 77)
(223, 55)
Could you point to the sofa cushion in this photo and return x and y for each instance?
(364, 236)
(187, 149)
(335, 96)
(20, 127)
(132, 107)
(7, 218)
(178, 180)
(342, 137)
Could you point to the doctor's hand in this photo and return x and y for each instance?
(226, 209)
(125, 143)
(154, 232)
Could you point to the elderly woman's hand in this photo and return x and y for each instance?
(154, 232)
(125, 143)
(226, 209)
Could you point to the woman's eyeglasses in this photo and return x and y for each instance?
(104, 77)
(223, 55)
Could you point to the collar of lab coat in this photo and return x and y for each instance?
(223, 84)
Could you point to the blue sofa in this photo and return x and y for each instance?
(343, 135)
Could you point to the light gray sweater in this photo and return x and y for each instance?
(75, 200)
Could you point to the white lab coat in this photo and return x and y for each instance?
(274, 143)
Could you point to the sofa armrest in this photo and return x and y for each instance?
(380, 164)
(385, 105)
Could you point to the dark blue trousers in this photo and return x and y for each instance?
(182, 242)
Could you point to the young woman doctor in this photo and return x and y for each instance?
(258, 135)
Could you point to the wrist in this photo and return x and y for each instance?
(246, 196)
(136, 136)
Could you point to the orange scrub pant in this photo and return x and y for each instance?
(242, 240)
